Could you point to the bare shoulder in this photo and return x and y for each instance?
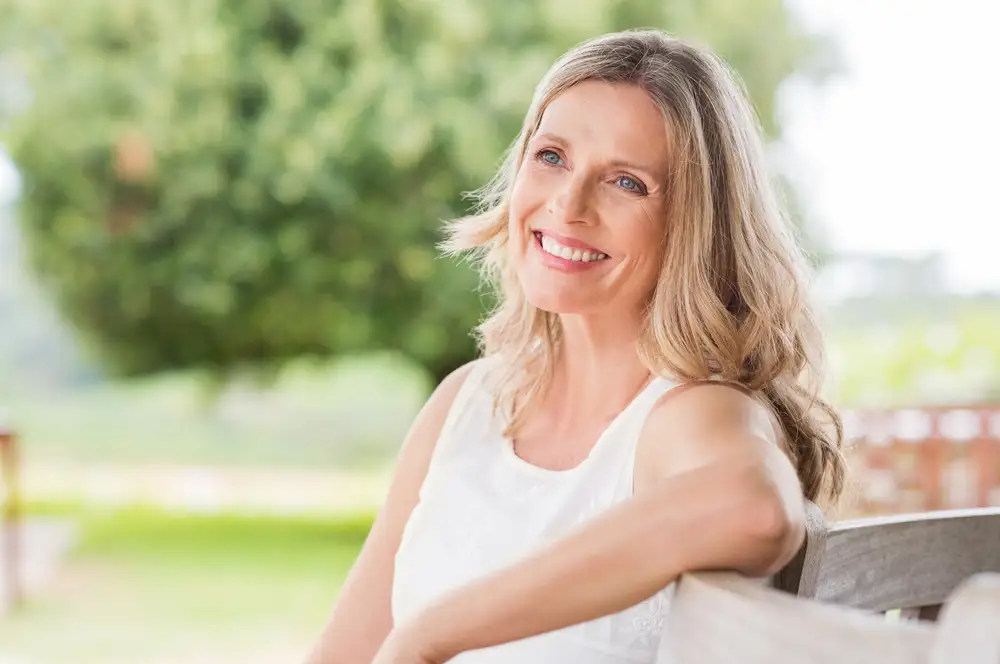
(362, 616)
(699, 424)
(446, 391)
(418, 447)
(429, 422)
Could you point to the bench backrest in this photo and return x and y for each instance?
(721, 618)
(910, 562)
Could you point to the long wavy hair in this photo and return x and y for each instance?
(730, 302)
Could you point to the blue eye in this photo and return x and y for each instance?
(629, 183)
(549, 157)
(625, 182)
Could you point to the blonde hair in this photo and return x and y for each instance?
(730, 302)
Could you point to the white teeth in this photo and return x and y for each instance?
(552, 247)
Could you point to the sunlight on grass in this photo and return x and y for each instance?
(146, 586)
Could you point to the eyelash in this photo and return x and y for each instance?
(639, 190)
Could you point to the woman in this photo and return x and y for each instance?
(646, 404)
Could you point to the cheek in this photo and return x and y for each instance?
(516, 230)
(523, 205)
(651, 272)
(645, 244)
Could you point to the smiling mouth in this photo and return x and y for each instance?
(552, 247)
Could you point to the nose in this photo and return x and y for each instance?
(572, 202)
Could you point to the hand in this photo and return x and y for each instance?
(404, 646)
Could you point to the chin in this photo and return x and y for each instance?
(559, 302)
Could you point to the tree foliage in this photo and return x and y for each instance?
(217, 183)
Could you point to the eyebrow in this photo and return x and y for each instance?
(618, 163)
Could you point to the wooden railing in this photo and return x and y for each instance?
(923, 459)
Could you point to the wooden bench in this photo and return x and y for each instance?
(910, 562)
(10, 553)
(723, 618)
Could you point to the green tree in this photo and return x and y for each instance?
(238, 182)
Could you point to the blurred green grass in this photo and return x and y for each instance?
(147, 586)
(353, 412)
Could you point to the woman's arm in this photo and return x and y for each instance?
(361, 618)
(714, 491)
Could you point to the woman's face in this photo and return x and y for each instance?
(587, 208)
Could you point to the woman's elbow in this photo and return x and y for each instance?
(774, 525)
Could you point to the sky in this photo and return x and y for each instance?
(900, 152)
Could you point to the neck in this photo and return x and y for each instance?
(598, 367)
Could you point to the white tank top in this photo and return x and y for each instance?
(482, 507)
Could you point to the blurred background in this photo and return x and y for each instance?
(220, 304)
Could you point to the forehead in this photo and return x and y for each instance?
(619, 121)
